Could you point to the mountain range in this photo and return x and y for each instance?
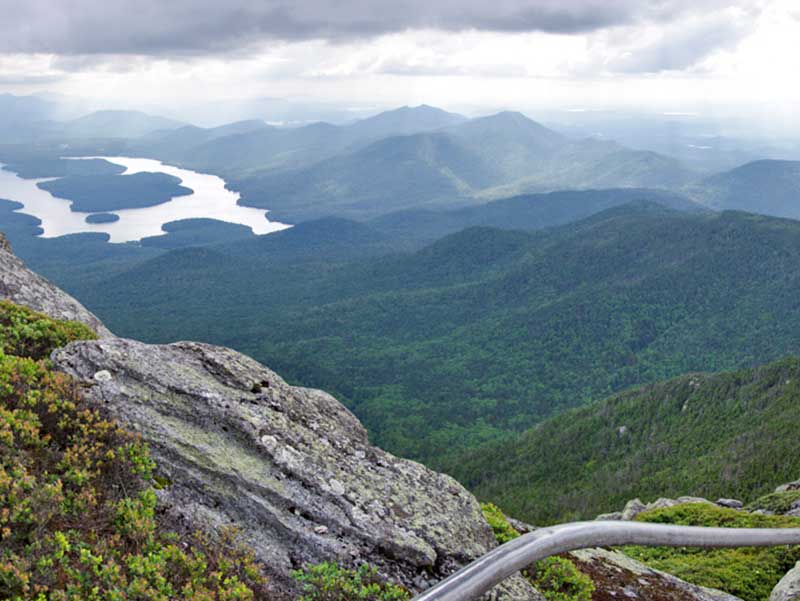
(407, 159)
(314, 507)
(383, 164)
(769, 187)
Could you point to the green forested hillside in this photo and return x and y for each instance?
(767, 187)
(391, 174)
(525, 212)
(487, 332)
(729, 434)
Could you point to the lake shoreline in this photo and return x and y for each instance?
(210, 199)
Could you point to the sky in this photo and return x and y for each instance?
(670, 56)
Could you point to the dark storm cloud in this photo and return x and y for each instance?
(207, 26)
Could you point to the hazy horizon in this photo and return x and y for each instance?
(209, 64)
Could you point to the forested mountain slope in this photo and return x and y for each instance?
(488, 332)
(728, 434)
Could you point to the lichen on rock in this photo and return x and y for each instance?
(291, 467)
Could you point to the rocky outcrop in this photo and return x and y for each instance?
(5, 245)
(730, 503)
(635, 506)
(290, 467)
(617, 576)
(22, 286)
(791, 486)
(788, 589)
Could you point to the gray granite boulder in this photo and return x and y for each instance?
(788, 589)
(292, 468)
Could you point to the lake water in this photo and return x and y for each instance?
(210, 200)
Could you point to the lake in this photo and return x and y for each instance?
(210, 199)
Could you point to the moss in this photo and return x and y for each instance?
(160, 482)
(779, 502)
(558, 579)
(748, 573)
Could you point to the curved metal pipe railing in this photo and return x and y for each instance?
(483, 574)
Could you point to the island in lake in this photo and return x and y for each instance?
(102, 218)
(103, 193)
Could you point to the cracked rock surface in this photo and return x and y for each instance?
(291, 467)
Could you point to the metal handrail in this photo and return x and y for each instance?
(490, 570)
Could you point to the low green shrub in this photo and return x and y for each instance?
(557, 578)
(779, 502)
(26, 333)
(329, 582)
(748, 573)
(78, 516)
(503, 531)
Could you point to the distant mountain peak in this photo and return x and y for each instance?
(410, 120)
(116, 123)
(512, 118)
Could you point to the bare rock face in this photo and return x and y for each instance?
(789, 487)
(617, 576)
(290, 467)
(22, 286)
(633, 508)
(4, 243)
(730, 503)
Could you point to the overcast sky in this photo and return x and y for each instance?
(668, 55)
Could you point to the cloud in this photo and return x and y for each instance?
(153, 27)
(678, 46)
(28, 80)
